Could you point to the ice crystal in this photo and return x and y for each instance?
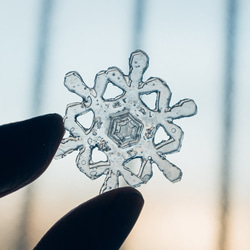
(123, 125)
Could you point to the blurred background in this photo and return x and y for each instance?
(201, 48)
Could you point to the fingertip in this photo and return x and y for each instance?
(120, 217)
(26, 150)
(103, 222)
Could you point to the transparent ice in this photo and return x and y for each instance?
(123, 125)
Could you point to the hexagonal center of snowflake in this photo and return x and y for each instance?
(124, 129)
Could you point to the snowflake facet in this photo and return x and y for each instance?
(130, 125)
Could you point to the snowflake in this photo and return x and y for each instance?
(123, 126)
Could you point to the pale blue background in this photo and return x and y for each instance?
(185, 41)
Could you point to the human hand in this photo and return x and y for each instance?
(104, 222)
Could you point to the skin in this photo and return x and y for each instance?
(104, 222)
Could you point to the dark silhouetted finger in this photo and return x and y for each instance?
(103, 222)
(26, 150)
